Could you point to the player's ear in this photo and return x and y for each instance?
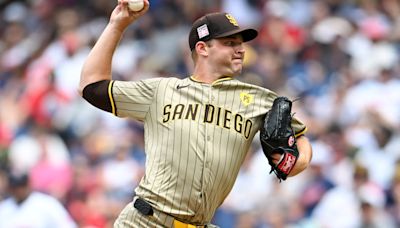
(201, 48)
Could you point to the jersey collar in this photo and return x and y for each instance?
(225, 78)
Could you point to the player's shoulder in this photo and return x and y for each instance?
(152, 81)
(253, 87)
(171, 79)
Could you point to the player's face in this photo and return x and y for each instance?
(226, 55)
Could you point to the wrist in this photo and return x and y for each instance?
(116, 28)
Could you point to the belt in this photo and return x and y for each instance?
(146, 209)
(179, 224)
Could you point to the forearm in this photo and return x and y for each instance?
(305, 155)
(97, 66)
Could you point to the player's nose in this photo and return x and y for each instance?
(240, 49)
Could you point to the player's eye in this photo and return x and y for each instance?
(230, 43)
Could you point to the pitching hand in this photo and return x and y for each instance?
(122, 17)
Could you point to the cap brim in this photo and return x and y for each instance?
(247, 34)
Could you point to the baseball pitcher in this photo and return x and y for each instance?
(197, 129)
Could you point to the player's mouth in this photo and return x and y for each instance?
(237, 60)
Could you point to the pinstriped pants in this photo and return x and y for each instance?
(130, 217)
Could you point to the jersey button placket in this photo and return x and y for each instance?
(206, 101)
(208, 136)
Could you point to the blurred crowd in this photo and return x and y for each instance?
(338, 58)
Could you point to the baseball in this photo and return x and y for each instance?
(135, 5)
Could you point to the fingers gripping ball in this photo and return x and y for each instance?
(277, 137)
(135, 5)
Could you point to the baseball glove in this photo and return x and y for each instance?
(277, 137)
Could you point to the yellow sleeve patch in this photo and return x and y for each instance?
(110, 95)
(302, 132)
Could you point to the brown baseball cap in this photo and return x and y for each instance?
(217, 25)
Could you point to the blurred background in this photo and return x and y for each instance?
(339, 57)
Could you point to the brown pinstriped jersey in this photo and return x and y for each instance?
(196, 138)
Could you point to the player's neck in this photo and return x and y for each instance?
(202, 74)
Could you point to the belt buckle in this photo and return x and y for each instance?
(179, 224)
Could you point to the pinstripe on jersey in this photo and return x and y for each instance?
(196, 138)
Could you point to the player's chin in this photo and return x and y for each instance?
(236, 73)
(237, 68)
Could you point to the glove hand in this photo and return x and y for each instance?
(277, 138)
(276, 158)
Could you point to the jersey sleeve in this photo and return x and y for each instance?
(299, 127)
(132, 98)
